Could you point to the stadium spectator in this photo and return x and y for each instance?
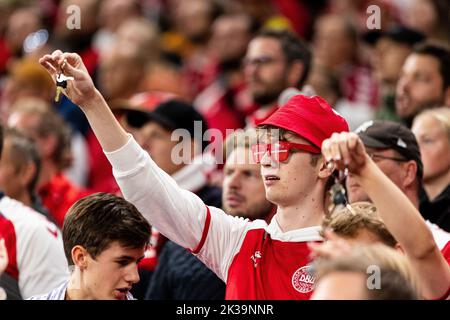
(275, 60)
(279, 249)
(345, 277)
(424, 82)
(20, 167)
(432, 130)
(347, 150)
(390, 50)
(104, 239)
(34, 247)
(52, 136)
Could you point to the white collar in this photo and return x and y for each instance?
(194, 175)
(297, 235)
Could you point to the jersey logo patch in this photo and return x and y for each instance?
(255, 258)
(303, 279)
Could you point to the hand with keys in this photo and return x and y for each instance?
(346, 152)
(71, 76)
(61, 84)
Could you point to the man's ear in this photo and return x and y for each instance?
(80, 257)
(295, 73)
(325, 169)
(410, 173)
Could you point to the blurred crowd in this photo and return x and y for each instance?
(164, 64)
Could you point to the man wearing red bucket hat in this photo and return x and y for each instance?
(256, 260)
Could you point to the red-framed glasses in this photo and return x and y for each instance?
(279, 151)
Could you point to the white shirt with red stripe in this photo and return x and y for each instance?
(37, 263)
(256, 260)
(442, 239)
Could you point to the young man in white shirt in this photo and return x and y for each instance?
(256, 260)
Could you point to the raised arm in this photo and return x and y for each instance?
(178, 214)
(83, 93)
(398, 213)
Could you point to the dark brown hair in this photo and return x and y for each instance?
(440, 52)
(293, 47)
(96, 221)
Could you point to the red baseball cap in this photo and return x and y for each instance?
(312, 118)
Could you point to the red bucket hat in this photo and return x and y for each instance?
(312, 118)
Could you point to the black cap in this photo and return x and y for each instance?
(398, 33)
(172, 115)
(384, 134)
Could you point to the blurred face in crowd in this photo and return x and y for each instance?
(325, 84)
(230, 37)
(266, 70)
(434, 143)
(113, 12)
(422, 15)
(388, 60)
(28, 125)
(120, 74)
(21, 23)
(292, 181)
(341, 285)
(333, 44)
(394, 170)
(109, 276)
(420, 85)
(243, 188)
(193, 18)
(156, 140)
(13, 176)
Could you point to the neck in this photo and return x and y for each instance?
(434, 187)
(412, 194)
(48, 170)
(25, 198)
(306, 213)
(75, 289)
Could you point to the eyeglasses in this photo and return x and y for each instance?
(376, 156)
(279, 151)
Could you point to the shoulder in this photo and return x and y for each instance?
(28, 224)
(16, 211)
(58, 293)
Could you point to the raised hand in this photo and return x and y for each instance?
(345, 150)
(81, 89)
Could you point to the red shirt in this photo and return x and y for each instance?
(100, 178)
(270, 269)
(58, 195)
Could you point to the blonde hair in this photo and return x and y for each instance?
(441, 114)
(390, 262)
(348, 223)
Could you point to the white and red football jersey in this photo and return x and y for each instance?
(37, 263)
(256, 260)
(442, 239)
